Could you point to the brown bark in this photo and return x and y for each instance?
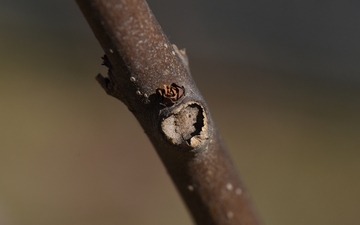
(152, 78)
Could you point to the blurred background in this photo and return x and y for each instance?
(282, 81)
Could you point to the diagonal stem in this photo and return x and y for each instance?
(152, 78)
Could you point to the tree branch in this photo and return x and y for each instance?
(152, 78)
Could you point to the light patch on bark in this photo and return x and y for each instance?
(187, 125)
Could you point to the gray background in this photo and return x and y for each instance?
(282, 81)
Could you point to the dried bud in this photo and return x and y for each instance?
(171, 94)
(106, 61)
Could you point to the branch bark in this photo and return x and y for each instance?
(151, 77)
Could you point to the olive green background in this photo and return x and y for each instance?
(281, 79)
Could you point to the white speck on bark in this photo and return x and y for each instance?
(229, 215)
(190, 187)
(229, 186)
(238, 191)
(118, 6)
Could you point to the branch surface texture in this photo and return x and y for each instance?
(152, 78)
